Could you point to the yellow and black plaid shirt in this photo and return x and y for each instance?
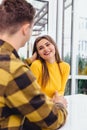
(20, 96)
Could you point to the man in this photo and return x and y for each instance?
(22, 105)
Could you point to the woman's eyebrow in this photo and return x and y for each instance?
(43, 44)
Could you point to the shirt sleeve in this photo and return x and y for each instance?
(28, 61)
(23, 95)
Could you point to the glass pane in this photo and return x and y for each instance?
(67, 39)
(82, 86)
(41, 18)
(82, 37)
(67, 2)
(68, 88)
(67, 35)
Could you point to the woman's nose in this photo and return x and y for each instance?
(45, 48)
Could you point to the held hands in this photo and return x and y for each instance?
(59, 99)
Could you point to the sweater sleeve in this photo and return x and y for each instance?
(36, 68)
(65, 70)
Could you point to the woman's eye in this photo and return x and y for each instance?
(48, 45)
(40, 48)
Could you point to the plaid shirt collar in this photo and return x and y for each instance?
(8, 47)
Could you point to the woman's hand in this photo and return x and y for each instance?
(33, 57)
(59, 99)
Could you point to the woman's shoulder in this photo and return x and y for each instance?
(36, 63)
(64, 65)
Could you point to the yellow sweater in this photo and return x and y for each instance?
(57, 81)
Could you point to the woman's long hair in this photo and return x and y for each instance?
(45, 72)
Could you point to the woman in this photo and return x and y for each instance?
(51, 72)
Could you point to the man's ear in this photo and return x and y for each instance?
(25, 28)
